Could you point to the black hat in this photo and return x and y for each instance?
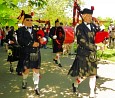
(56, 21)
(87, 11)
(27, 16)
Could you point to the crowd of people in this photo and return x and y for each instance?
(23, 45)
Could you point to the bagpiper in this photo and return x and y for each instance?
(28, 40)
(85, 63)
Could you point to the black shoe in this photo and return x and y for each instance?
(74, 88)
(97, 77)
(56, 62)
(37, 91)
(59, 65)
(24, 85)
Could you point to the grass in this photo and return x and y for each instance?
(108, 54)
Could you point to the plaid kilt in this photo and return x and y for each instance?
(83, 67)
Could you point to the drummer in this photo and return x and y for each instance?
(57, 35)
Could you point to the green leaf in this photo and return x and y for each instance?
(1, 1)
(2, 7)
(12, 22)
(3, 22)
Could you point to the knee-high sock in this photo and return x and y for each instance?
(36, 79)
(78, 81)
(58, 58)
(25, 76)
(92, 84)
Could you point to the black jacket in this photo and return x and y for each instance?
(26, 40)
(85, 39)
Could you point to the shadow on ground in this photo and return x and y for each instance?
(54, 82)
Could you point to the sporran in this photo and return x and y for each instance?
(34, 56)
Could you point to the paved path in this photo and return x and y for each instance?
(54, 81)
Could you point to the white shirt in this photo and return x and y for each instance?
(102, 27)
(88, 25)
(29, 29)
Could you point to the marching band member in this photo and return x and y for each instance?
(12, 50)
(27, 39)
(85, 63)
(57, 35)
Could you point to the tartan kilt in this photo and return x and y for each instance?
(57, 47)
(31, 64)
(83, 67)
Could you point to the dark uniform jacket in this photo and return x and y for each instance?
(85, 63)
(12, 48)
(26, 40)
(85, 39)
(57, 43)
(11, 37)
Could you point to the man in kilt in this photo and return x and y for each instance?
(30, 51)
(57, 35)
(85, 63)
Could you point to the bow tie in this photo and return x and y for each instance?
(88, 24)
(29, 27)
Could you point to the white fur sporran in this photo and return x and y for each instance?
(54, 37)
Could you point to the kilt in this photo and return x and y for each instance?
(83, 67)
(57, 47)
(31, 64)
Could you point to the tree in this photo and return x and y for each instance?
(53, 10)
(6, 11)
(10, 9)
(61, 9)
(106, 22)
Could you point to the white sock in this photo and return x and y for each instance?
(58, 58)
(25, 76)
(78, 81)
(92, 83)
(36, 79)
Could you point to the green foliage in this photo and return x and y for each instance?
(10, 10)
(107, 21)
(53, 10)
(37, 3)
(43, 9)
(108, 54)
(58, 9)
(6, 10)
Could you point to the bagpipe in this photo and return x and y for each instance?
(41, 38)
(41, 33)
(100, 35)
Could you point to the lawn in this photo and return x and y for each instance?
(108, 54)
